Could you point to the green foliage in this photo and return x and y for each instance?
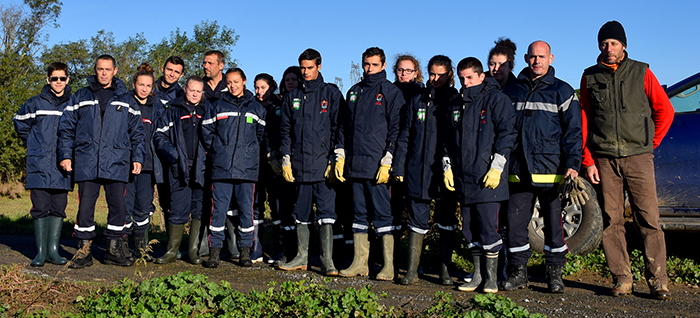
(594, 261)
(492, 305)
(683, 270)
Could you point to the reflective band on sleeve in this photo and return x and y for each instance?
(135, 112)
(491, 246)
(257, 222)
(396, 228)
(519, 248)
(326, 221)
(81, 104)
(216, 228)
(547, 107)
(338, 237)
(565, 105)
(115, 227)
(359, 226)
(300, 222)
(38, 113)
(384, 229)
(247, 229)
(84, 229)
(232, 213)
(128, 225)
(447, 227)
(556, 250)
(145, 222)
(166, 128)
(277, 222)
(419, 231)
(256, 118)
(472, 245)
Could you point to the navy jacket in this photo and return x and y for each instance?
(548, 121)
(150, 111)
(419, 149)
(483, 124)
(36, 123)
(212, 95)
(232, 131)
(370, 124)
(273, 122)
(169, 141)
(309, 128)
(100, 148)
(167, 95)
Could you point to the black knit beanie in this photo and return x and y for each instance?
(612, 30)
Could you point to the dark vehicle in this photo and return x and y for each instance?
(677, 165)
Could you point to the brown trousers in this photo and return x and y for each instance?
(636, 173)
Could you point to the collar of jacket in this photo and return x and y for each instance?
(442, 93)
(180, 102)
(157, 87)
(149, 100)
(607, 68)
(117, 84)
(374, 79)
(239, 101)
(312, 85)
(469, 94)
(48, 95)
(547, 78)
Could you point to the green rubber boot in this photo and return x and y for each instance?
(174, 239)
(54, 236)
(193, 244)
(415, 247)
(477, 256)
(328, 268)
(41, 236)
(359, 266)
(300, 262)
(387, 272)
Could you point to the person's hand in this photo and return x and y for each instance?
(66, 165)
(492, 179)
(137, 168)
(449, 180)
(592, 174)
(571, 172)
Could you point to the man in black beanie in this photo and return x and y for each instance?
(629, 114)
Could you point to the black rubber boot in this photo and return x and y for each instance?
(230, 240)
(446, 239)
(53, 238)
(203, 240)
(415, 247)
(41, 233)
(124, 248)
(174, 239)
(83, 257)
(300, 262)
(517, 278)
(328, 268)
(141, 247)
(553, 278)
(477, 259)
(213, 261)
(193, 243)
(244, 259)
(491, 270)
(114, 255)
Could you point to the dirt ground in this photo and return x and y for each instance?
(586, 294)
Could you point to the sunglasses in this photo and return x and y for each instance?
(57, 78)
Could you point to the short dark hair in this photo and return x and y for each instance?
(236, 70)
(444, 61)
(310, 55)
(56, 66)
(504, 46)
(175, 60)
(268, 79)
(194, 78)
(374, 51)
(470, 62)
(220, 58)
(106, 57)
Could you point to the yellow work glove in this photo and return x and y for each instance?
(449, 180)
(328, 171)
(287, 169)
(492, 179)
(383, 174)
(338, 167)
(399, 178)
(578, 193)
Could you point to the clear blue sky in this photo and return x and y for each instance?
(273, 34)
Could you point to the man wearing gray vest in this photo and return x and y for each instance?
(628, 114)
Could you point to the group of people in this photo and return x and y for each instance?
(353, 164)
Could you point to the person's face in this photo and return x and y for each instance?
(612, 51)
(438, 75)
(105, 71)
(469, 78)
(235, 84)
(172, 73)
(373, 64)
(538, 58)
(500, 67)
(193, 92)
(212, 67)
(291, 81)
(58, 81)
(309, 69)
(262, 90)
(406, 71)
(143, 86)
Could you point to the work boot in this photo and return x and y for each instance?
(387, 272)
(174, 239)
(491, 283)
(446, 239)
(244, 260)
(359, 265)
(475, 282)
(256, 253)
(415, 247)
(83, 257)
(300, 262)
(230, 240)
(213, 261)
(124, 248)
(193, 243)
(553, 278)
(289, 241)
(41, 233)
(517, 277)
(114, 255)
(327, 268)
(621, 289)
(141, 247)
(54, 236)
(660, 291)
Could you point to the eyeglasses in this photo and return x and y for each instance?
(57, 78)
(407, 70)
